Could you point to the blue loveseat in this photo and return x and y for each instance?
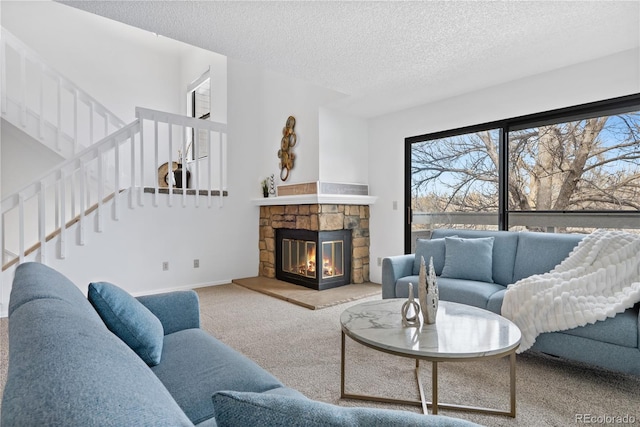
(84, 362)
(480, 278)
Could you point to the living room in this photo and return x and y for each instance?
(335, 145)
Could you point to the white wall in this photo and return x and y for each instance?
(23, 159)
(283, 97)
(344, 148)
(607, 77)
(130, 252)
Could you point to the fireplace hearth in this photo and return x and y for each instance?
(315, 259)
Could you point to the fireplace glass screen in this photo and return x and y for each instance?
(299, 257)
(332, 259)
(315, 259)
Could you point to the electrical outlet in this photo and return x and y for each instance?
(165, 265)
(379, 261)
(196, 263)
(395, 205)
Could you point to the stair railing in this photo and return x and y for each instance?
(48, 106)
(97, 178)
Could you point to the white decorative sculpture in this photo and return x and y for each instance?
(411, 310)
(428, 292)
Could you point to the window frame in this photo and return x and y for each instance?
(196, 152)
(606, 107)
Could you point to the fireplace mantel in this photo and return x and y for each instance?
(316, 199)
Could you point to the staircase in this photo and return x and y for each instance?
(46, 105)
(108, 164)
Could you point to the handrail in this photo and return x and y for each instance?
(67, 193)
(544, 219)
(86, 155)
(64, 121)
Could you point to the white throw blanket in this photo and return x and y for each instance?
(599, 278)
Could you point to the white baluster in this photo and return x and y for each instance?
(196, 165)
(42, 222)
(171, 180)
(3, 245)
(116, 194)
(21, 227)
(183, 169)
(100, 190)
(75, 121)
(209, 169)
(220, 163)
(72, 190)
(56, 207)
(23, 86)
(133, 165)
(3, 78)
(156, 161)
(91, 112)
(141, 188)
(63, 215)
(59, 115)
(41, 112)
(81, 185)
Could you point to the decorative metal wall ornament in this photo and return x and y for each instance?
(285, 154)
(411, 310)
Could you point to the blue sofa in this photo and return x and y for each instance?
(611, 344)
(97, 361)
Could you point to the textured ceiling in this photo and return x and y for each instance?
(391, 55)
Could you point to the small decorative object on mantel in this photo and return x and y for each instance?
(272, 186)
(411, 310)
(265, 187)
(285, 154)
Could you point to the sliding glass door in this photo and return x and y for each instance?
(569, 170)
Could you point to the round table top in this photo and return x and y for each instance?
(461, 331)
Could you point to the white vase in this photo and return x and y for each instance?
(422, 289)
(432, 297)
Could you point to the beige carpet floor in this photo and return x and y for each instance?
(302, 348)
(306, 297)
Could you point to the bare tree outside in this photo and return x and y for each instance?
(584, 165)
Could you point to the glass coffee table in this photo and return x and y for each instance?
(461, 333)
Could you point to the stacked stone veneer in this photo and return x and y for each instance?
(316, 218)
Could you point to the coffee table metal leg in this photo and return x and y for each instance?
(435, 405)
(434, 388)
(342, 368)
(381, 399)
(512, 375)
(423, 398)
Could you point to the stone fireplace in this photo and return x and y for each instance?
(316, 217)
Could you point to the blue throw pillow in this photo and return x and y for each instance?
(241, 409)
(428, 248)
(129, 320)
(470, 259)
